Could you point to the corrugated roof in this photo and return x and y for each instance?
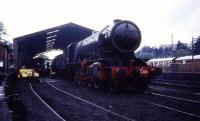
(2, 43)
(188, 57)
(58, 37)
(35, 43)
(162, 59)
(179, 58)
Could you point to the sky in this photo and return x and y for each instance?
(157, 19)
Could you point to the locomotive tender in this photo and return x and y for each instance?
(107, 59)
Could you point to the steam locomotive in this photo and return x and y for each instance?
(107, 59)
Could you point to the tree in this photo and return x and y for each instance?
(2, 32)
(3, 37)
(196, 48)
(146, 53)
(181, 45)
(182, 52)
(182, 49)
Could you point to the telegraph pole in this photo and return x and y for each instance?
(172, 44)
(192, 50)
(192, 55)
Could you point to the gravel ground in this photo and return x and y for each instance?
(129, 103)
(180, 82)
(72, 109)
(180, 88)
(4, 112)
(188, 94)
(126, 103)
(36, 110)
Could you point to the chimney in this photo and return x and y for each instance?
(117, 20)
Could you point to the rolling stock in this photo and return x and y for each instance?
(24, 73)
(186, 64)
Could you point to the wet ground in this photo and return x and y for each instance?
(1, 91)
(4, 111)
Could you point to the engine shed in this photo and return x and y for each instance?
(59, 37)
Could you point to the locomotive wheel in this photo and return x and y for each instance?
(77, 76)
(141, 89)
(89, 83)
(141, 86)
(83, 83)
(79, 81)
(113, 86)
(96, 85)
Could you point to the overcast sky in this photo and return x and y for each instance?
(157, 19)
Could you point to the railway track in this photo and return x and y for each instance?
(46, 104)
(98, 107)
(173, 97)
(174, 109)
(180, 81)
(174, 85)
(120, 106)
(181, 92)
(153, 102)
(93, 104)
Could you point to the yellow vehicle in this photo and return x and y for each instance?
(27, 73)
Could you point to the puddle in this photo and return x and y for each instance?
(1, 92)
(196, 94)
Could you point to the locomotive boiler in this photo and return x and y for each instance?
(107, 59)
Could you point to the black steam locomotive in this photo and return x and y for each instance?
(107, 59)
